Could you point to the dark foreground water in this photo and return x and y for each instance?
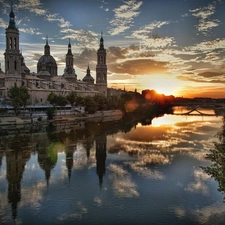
(111, 173)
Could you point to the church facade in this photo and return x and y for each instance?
(47, 80)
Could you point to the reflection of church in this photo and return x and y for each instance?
(16, 161)
(47, 157)
(47, 80)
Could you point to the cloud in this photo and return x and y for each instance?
(61, 21)
(3, 23)
(198, 80)
(209, 74)
(124, 16)
(80, 36)
(34, 6)
(203, 14)
(139, 66)
(30, 31)
(86, 56)
(150, 40)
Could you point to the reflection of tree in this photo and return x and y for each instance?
(217, 157)
(47, 158)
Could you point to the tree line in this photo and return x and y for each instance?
(128, 102)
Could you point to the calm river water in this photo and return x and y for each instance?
(111, 173)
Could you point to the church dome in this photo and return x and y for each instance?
(88, 78)
(48, 59)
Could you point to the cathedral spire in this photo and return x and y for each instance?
(101, 43)
(12, 23)
(69, 48)
(47, 47)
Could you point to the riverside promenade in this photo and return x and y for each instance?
(20, 120)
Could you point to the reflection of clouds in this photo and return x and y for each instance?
(170, 135)
(4, 208)
(143, 170)
(80, 159)
(98, 201)
(32, 196)
(122, 183)
(199, 186)
(213, 214)
(179, 211)
(79, 211)
(2, 175)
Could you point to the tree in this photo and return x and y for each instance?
(217, 158)
(55, 100)
(71, 98)
(90, 105)
(52, 98)
(61, 101)
(19, 97)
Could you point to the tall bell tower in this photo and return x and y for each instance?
(101, 69)
(12, 53)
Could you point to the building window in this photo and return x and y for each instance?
(14, 43)
(10, 43)
(15, 65)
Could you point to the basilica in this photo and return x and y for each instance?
(47, 80)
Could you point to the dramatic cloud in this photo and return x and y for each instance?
(124, 15)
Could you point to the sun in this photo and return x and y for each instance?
(161, 83)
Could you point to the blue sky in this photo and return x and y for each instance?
(173, 46)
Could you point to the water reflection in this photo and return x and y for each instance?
(217, 158)
(99, 171)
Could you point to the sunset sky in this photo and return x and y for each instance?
(172, 46)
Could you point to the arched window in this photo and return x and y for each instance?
(15, 65)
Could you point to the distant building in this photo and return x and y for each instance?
(47, 80)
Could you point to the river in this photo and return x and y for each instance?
(118, 172)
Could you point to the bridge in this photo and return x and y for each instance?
(198, 112)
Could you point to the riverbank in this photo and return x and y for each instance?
(109, 115)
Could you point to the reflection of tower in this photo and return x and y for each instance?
(1, 156)
(69, 160)
(88, 144)
(100, 156)
(16, 161)
(47, 159)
